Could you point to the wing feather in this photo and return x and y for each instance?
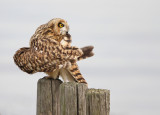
(44, 55)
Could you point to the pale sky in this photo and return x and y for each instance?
(126, 37)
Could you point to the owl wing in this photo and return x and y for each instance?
(34, 61)
(87, 51)
(22, 59)
(44, 55)
(55, 50)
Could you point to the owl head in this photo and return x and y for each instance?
(58, 26)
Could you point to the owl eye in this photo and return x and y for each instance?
(60, 25)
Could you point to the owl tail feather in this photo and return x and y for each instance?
(75, 72)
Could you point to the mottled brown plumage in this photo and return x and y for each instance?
(51, 52)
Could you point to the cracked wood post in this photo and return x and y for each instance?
(48, 97)
(57, 98)
(72, 98)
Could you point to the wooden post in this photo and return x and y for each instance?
(98, 102)
(72, 99)
(57, 98)
(48, 97)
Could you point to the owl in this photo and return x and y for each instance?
(51, 52)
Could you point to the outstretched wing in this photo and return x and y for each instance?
(33, 61)
(87, 51)
(22, 59)
(45, 55)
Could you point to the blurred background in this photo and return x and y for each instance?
(126, 37)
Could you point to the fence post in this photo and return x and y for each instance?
(48, 97)
(98, 102)
(57, 98)
(72, 98)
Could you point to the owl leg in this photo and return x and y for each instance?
(53, 75)
(66, 75)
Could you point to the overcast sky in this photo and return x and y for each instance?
(126, 37)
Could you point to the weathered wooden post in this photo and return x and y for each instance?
(72, 99)
(98, 102)
(57, 98)
(48, 97)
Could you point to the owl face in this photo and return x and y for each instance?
(58, 26)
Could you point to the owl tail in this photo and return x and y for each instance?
(87, 52)
(75, 72)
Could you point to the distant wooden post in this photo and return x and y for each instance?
(57, 98)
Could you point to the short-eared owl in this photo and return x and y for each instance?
(51, 52)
